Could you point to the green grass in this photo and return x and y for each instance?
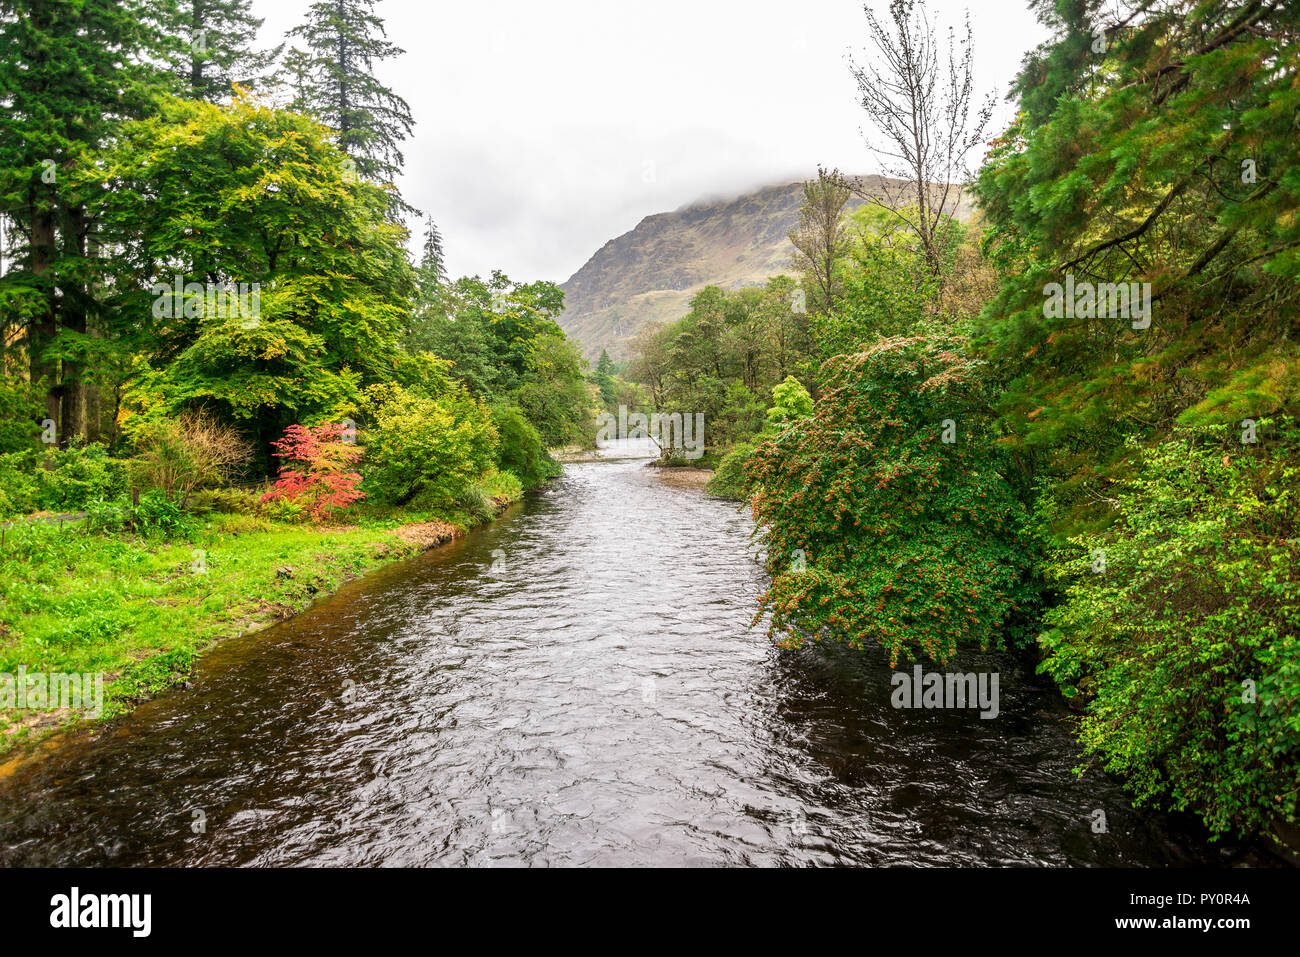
(140, 610)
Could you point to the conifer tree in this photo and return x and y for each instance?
(69, 72)
(345, 39)
(213, 41)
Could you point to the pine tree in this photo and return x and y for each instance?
(345, 39)
(68, 73)
(432, 262)
(213, 46)
(1165, 156)
(431, 276)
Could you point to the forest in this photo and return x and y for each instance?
(940, 453)
(1062, 425)
(215, 343)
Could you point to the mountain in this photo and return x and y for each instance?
(651, 273)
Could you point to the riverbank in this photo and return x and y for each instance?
(141, 610)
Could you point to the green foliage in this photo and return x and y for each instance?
(20, 489)
(879, 532)
(729, 479)
(430, 448)
(790, 402)
(553, 392)
(1193, 593)
(521, 451)
(248, 194)
(59, 480)
(156, 516)
(1170, 159)
(20, 410)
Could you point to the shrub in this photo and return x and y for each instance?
(876, 530)
(1179, 626)
(478, 504)
(317, 470)
(434, 448)
(156, 515)
(227, 501)
(790, 402)
(728, 480)
(521, 451)
(20, 409)
(70, 479)
(177, 456)
(19, 487)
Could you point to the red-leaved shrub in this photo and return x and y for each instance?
(316, 468)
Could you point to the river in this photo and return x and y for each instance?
(575, 684)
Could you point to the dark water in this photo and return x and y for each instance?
(576, 684)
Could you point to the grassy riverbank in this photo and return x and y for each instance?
(141, 609)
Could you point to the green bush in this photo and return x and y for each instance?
(1179, 628)
(521, 451)
(728, 480)
(877, 531)
(59, 480)
(433, 448)
(478, 504)
(20, 409)
(156, 516)
(71, 479)
(226, 501)
(19, 488)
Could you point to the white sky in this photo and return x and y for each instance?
(545, 128)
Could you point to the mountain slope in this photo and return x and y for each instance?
(651, 272)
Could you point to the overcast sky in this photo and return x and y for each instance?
(545, 128)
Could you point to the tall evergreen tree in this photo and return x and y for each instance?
(432, 266)
(68, 73)
(213, 42)
(345, 39)
(1166, 156)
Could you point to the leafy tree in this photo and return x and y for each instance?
(877, 530)
(819, 238)
(553, 393)
(790, 403)
(247, 194)
(521, 451)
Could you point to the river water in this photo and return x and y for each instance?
(575, 684)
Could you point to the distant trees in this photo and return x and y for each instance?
(819, 238)
(503, 342)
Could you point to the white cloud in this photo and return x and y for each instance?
(535, 122)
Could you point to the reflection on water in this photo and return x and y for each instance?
(575, 684)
